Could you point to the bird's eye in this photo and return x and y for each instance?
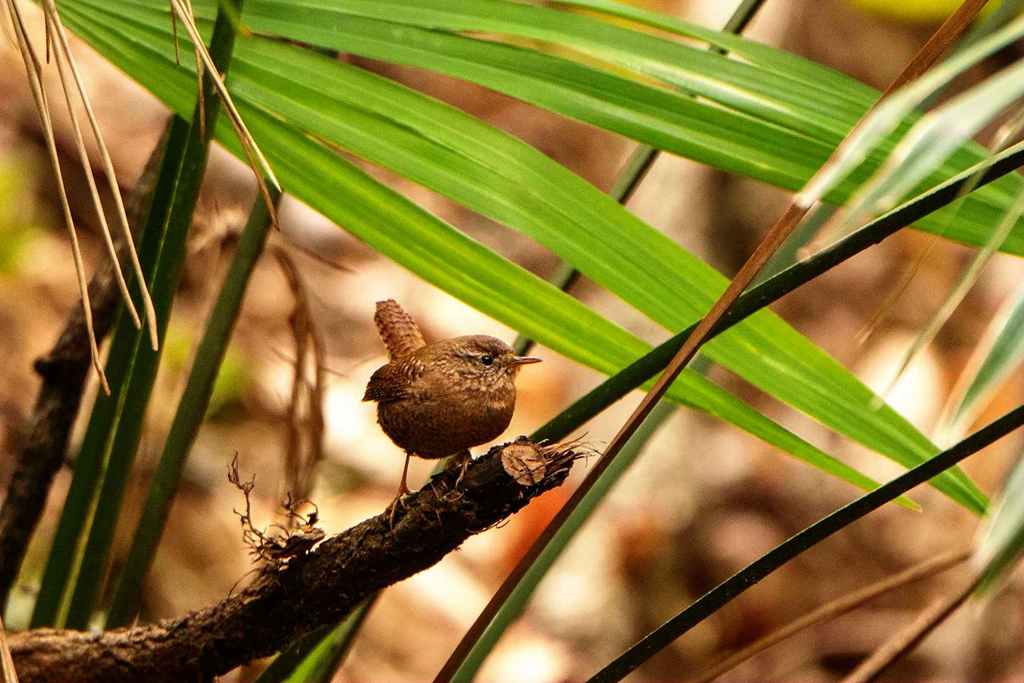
(487, 359)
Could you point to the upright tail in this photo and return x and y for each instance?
(397, 329)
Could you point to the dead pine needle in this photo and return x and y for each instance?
(48, 31)
(63, 45)
(200, 70)
(33, 71)
(61, 57)
(835, 609)
(259, 164)
(174, 32)
(905, 640)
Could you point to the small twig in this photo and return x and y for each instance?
(273, 550)
(174, 32)
(837, 608)
(911, 635)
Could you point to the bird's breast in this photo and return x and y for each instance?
(435, 424)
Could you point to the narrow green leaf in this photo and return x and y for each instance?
(754, 96)
(116, 424)
(935, 138)
(784, 63)
(1002, 539)
(90, 464)
(316, 658)
(997, 356)
(441, 147)
(189, 416)
(749, 576)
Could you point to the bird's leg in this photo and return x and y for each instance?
(403, 489)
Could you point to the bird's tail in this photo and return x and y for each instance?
(397, 329)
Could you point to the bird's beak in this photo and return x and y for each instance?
(524, 360)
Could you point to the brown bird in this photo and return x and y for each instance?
(443, 398)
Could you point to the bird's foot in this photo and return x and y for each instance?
(464, 458)
(460, 460)
(395, 504)
(393, 508)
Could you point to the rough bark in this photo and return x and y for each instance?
(311, 590)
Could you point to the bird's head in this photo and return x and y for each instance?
(482, 358)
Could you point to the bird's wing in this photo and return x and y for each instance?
(392, 381)
(397, 329)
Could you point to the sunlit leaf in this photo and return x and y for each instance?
(440, 147)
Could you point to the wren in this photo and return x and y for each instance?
(443, 398)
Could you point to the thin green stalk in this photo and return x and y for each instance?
(741, 17)
(750, 575)
(189, 415)
(90, 463)
(115, 427)
(511, 608)
(646, 367)
(316, 658)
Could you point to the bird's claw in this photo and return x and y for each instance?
(393, 508)
(463, 459)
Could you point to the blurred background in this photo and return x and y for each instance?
(704, 500)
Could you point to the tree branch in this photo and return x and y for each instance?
(307, 591)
